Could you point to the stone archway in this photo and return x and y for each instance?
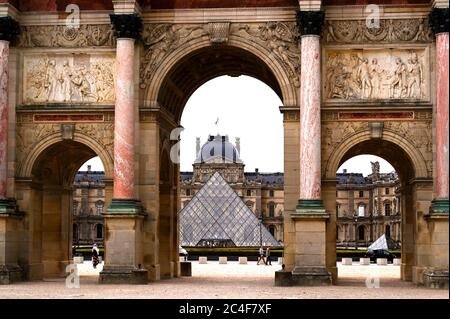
(415, 192)
(46, 198)
(179, 74)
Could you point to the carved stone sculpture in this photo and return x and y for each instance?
(375, 74)
(68, 79)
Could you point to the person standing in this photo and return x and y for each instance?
(261, 256)
(268, 261)
(95, 254)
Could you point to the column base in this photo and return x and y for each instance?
(8, 206)
(123, 275)
(311, 276)
(439, 207)
(437, 279)
(185, 268)
(283, 278)
(310, 208)
(10, 274)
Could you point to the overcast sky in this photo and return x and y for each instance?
(245, 108)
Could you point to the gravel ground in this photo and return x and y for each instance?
(230, 281)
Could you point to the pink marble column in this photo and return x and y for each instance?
(310, 182)
(124, 121)
(442, 96)
(4, 54)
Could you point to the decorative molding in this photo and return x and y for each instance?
(376, 130)
(218, 32)
(64, 37)
(280, 38)
(368, 116)
(439, 20)
(68, 78)
(126, 25)
(374, 74)
(162, 39)
(9, 29)
(310, 22)
(390, 31)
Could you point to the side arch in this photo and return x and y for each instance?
(414, 155)
(25, 168)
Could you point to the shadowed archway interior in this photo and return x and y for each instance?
(205, 64)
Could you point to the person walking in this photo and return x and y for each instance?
(268, 261)
(261, 256)
(95, 254)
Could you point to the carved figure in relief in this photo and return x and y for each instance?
(376, 75)
(57, 80)
(66, 81)
(398, 80)
(363, 75)
(274, 33)
(51, 80)
(415, 77)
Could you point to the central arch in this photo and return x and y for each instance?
(179, 74)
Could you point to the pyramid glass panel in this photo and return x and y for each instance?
(217, 217)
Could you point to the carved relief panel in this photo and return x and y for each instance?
(68, 78)
(376, 74)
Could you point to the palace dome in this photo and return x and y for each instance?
(218, 149)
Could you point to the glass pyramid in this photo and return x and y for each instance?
(217, 217)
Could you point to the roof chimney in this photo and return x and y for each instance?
(345, 171)
(197, 145)
(89, 168)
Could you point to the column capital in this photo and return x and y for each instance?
(439, 20)
(310, 22)
(9, 29)
(126, 25)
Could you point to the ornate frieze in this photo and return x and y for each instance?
(439, 20)
(126, 25)
(160, 40)
(67, 37)
(389, 31)
(310, 22)
(278, 37)
(9, 29)
(68, 78)
(376, 74)
(281, 38)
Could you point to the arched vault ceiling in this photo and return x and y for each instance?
(205, 64)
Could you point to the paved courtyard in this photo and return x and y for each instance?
(214, 281)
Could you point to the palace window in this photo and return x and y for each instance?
(99, 192)
(271, 193)
(99, 207)
(271, 209)
(249, 192)
(272, 230)
(99, 230)
(188, 192)
(75, 234)
(361, 210)
(387, 209)
(361, 233)
(386, 191)
(387, 231)
(75, 207)
(361, 194)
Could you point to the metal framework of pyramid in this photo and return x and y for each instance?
(217, 217)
